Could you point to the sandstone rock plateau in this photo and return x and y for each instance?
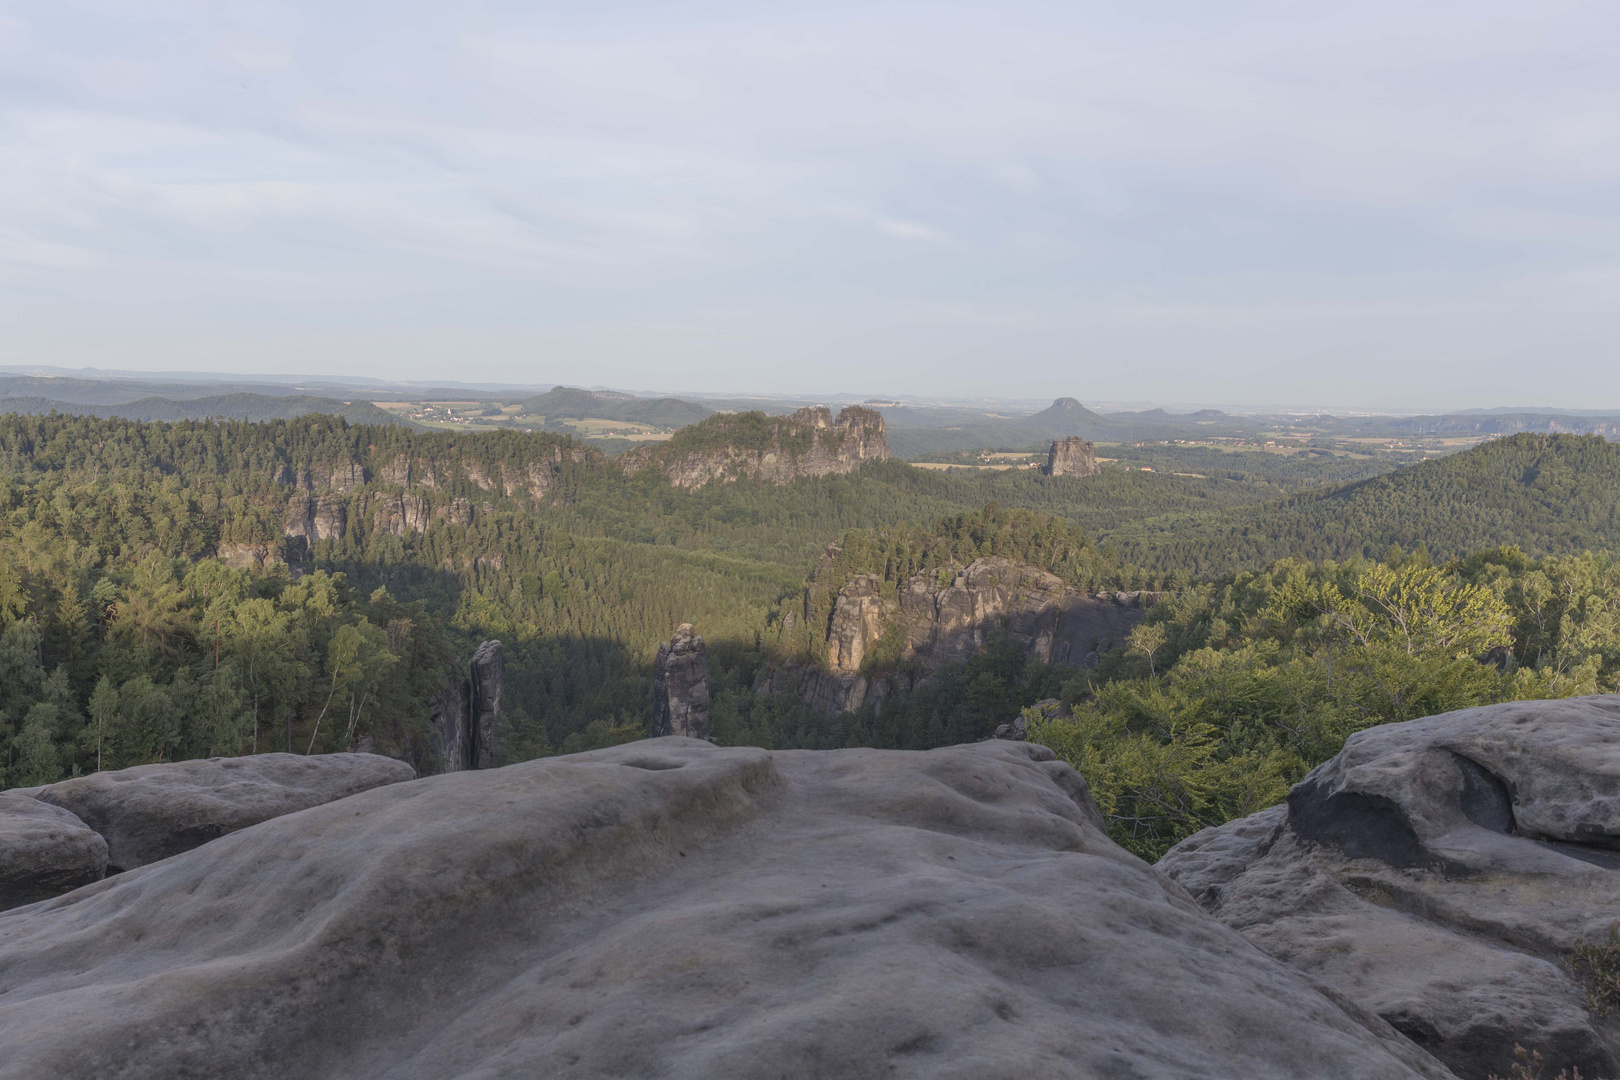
(776, 449)
(944, 615)
(1072, 456)
(1440, 872)
(672, 909)
(151, 812)
(681, 686)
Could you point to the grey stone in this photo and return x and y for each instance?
(464, 714)
(672, 909)
(151, 812)
(1072, 456)
(681, 703)
(1440, 872)
(44, 851)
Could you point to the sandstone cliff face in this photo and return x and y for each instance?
(673, 909)
(465, 713)
(1440, 872)
(681, 686)
(943, 616)
(1072, 456)
(777, 449)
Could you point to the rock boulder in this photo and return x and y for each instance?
(151, 812)
(44, 851)
(1440, 872)
(669, 908)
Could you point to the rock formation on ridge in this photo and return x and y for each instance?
(944, 616)
(681, 686)
(1072, 456)
(466, 712)
(1440, 872)
(778, 449)
(671, 908)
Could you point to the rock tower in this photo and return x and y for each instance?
(1072, 456)
(681, 686)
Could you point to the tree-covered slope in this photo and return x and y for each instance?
(1547, 494)
(239, 406)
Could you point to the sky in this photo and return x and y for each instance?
(1402, 205)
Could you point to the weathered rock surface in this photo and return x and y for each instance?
(1072, 456)
(681, 686)
(671, 909)
(1439, 872)
(945, 616)
(776, 449)
(151, 812)
(44, 851)
(465, 714)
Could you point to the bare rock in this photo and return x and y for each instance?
(151, 812)
(1072, 456)
(1440, 872)
(777, 449)
(485, 675)
(681, 686)
(669, 908)
(44, 851)
(945, 616)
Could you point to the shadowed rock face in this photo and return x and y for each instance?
(151, 812)
(944, 616)
(465, 713)
(669, 908)
(1440, 872)
(44, 851)
(681, 686)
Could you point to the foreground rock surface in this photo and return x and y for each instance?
(672, 909)
(44, 851)
(1439, 872)
(151, 812)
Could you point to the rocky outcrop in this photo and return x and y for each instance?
(681, 686)
(151, 812)
(1440, 872)
(669, 908)
(1072, 456)
(44, 851)
(466, 713)
(943, 616)
(485, 674)
(776, 449)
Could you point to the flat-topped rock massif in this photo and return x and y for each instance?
(776, 449)
(944, 615)
(1441, 872)
(1072, 456)
(668, 908)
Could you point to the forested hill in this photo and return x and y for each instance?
(238, 406)
(1546, 494)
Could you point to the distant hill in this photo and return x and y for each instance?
(240, 406)
(566, 402)
(1547, 494)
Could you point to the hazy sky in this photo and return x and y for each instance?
(1362, 204)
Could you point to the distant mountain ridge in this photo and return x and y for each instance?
(567, 402)
(238, 406)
